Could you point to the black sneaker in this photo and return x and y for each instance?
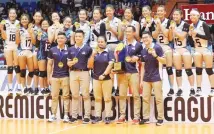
(107, 120)
(36, 91)
(144, 121)
(97, 120)
(31, 91)
(159, 123)
(92, 93)
(47, 91)
(43, 92)
(171, 92)
(116, 92)
(198, 92)
(72, 120)
(26, 91)
(86, 121)
(179, 93)
(192, 92)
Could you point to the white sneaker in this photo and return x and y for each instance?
(211, 93)
(198, 92)
(66, 119)
(52, 118)
(18, 92)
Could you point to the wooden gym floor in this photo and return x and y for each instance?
(19, 126)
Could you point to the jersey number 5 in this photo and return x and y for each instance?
(198, 42)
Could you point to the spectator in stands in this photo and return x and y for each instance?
(137, 14)
(1, 8)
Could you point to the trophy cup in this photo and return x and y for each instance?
(119, 65)
(77, 25)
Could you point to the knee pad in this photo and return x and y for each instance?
(189, 72)
(23, 73)
(198, 70)
(30, 74)
(178, 73)
(9, 69)
(17, 69)
(209, 71)
(169, 70)
(42, 74)
(36, 72)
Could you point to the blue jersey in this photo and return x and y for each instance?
(44, 46)
(68, 33)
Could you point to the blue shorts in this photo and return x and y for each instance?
(42, 55)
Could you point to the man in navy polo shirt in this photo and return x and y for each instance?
(151, 55)
(131, 76)
(78, 56)
(101, 62)
(57, 63)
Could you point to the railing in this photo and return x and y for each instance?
(176, 6)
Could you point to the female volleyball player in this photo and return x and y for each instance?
(200, 33)
(128, 20)
(44, 47)
(178, 32)
(25, 36)
(67, 22)
(8, 29)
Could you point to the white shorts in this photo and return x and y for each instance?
(166, 48)
(181, 51)
(10, 47)
(26, 53)
(202, 51)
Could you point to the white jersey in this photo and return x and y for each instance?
(93, 37)
(11, 29)
(198, 41)
(142, 23)
(132, 23)
(114, 25)
(179, 29)
(163, 40)
(25, 38)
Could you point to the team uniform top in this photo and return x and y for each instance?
(203, 35)
(142, 28)
(44, 46)
(161, 39)
(99, 29)
(36, 30)
(132, 23)
(151, 67)
(87, 31)
(114, 23)
(10, 29)
(182, 27)
(25, 38)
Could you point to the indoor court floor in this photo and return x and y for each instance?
(19, 126)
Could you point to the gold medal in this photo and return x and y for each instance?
(191, 27)
(18, 26)
(155, 17)
(3, 22)
(77, 25)
(148, 19)
(75, 59)
(60, 64)
(172, 22)
(128, 59)
(150, 50)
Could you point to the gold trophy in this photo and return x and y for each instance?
(18, 26)
(3, 22)
(119, 65)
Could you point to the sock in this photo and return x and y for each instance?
(28, 86)
(10, 85)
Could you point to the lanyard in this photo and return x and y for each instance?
(60, 55)
(79, 51)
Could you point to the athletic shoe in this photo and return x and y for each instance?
(179, 93)
(121, 121)
(31, 91)
(86, 121)
(171, 92)
(18, 92)
(116, 92)
(47, 91)
(10, 92)
(135, 122)
(36, 91)
(198, 92)
(192, 92)
(211, 93)
(72, 120)
(43, 92)
(66, 119)
(52, 118)
(26, 91)
(159, 123)
(97, 120)
(144, 121)
(107, 120)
